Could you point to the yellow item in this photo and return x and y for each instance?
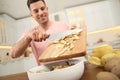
(96, 55)
(117, 55)
(102, 50)
(117, 51)
(107, 57)
(94, 60)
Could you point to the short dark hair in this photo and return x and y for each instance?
(32, 1)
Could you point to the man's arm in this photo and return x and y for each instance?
(19, 48)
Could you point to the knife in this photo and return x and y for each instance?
(59, 35)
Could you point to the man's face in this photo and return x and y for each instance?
(39, 12)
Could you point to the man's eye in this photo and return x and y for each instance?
(42, 8)
(36, 11)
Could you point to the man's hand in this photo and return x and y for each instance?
(73, 27)
(38, 35)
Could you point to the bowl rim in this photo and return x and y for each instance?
(79, 62)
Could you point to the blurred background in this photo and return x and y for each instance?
(102, 18)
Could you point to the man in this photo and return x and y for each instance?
(36, 37)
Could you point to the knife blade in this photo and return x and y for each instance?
(59, 35)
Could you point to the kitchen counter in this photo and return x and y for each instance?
(89, 73)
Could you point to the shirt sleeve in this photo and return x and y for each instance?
(24, 34)
(70, 26)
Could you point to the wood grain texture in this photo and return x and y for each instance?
(52, 52)
(18, 76)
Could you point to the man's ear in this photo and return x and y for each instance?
(47, 8)
(30, 14)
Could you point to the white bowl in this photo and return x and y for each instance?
(73, 72)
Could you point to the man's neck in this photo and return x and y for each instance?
(46, 25)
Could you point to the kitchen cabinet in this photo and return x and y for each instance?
(8, 29)
(98, 15)
(17, 65)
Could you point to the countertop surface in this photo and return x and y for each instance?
(89, 73)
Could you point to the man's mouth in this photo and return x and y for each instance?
(43, 18)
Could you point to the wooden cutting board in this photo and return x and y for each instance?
(53, 52)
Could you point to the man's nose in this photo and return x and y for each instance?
(40, 12)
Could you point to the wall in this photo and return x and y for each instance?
(108, 35)
(15, 28)
(99, 15)
(115, 7)
(9, 25)
(23, 24)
